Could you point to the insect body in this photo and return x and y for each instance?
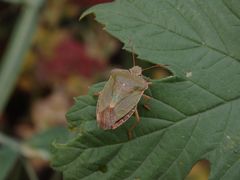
(118, 100)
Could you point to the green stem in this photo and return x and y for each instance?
(11, 143)
(30, 171)
(23, 148)
(20, 41)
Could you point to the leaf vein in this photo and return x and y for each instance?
(181, 14)
(190, 137)
(174, 32)
(214, 27)
(231, 10)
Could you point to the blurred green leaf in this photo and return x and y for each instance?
(19, 42)
(44, 139)
(8, 158)
(194, 115)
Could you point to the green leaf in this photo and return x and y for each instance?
(194, 115)
(44, 139)
(8, 158)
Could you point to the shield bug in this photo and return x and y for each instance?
(118, 100)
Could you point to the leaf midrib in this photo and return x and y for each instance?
(170, 126)
(201, 44)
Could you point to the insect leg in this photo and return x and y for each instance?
(157, 65)
(97, 93)
(130, 136)
(146, 98)
(147, 107)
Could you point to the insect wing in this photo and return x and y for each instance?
(123, 119)
(120, 95)
(104, 112)
(127, 92)
(105, 96)
(127, 104)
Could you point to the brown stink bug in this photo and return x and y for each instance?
(118, 100)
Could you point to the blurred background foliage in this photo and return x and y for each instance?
(46, 58)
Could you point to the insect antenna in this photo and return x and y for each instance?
(133, 57)
(133, 54)
(154, 66)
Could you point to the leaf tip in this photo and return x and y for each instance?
(85, 13)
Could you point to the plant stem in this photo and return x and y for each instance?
(11, 143)
(22, 148)
(19, 43)
(30, 171)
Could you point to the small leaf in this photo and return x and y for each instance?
(44, 139)
(193, 115)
